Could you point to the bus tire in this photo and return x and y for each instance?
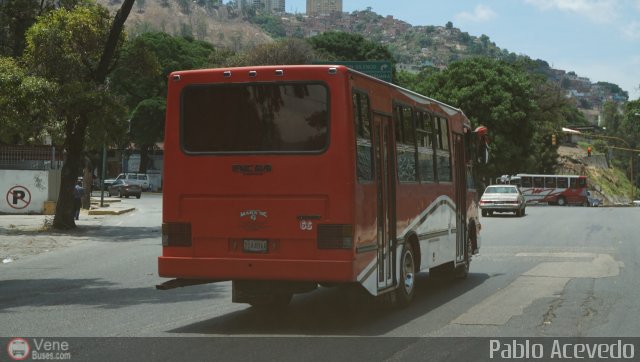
(562, 201)
(406, 289)
(462, 271)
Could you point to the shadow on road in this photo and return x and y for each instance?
(18, 293)
(325, 312)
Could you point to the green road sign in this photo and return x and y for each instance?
(379, 69)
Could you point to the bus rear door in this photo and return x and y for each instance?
(385, 179)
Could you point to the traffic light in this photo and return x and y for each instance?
(553, 139)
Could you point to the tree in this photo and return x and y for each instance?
(144, 127)
(141, 79)
(16, 16)
(285, 51)
(495, 94)
(612, 118)
(25, 105)
(75, 48)
(335, 45)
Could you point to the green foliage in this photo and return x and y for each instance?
(613, 89)
(612, 118)
(25, 105)
(139, 74)
(145, 120)
(16, 16)
(347, 46)
(497, 95)
(270, 24)
(147, 60)
(67, 45)
(285, 51)
(141, 78)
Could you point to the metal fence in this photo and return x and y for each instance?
(30, 158)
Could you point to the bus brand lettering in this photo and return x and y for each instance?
(251, 169)
(253, 214)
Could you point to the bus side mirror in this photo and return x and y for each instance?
(482, 142)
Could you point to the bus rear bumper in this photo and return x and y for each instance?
(255, 269)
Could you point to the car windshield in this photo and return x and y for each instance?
(501, 190)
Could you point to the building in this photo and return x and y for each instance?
(270, 6)
(323, 7)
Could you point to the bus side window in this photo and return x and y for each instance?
(443, 153)
(526, 181)
(405, 144)
(424, 135)
(550, 182)
(573, 182)
(538, 182)
(562, 182)
(364, 149)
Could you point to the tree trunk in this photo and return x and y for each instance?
(87, 183)
(144, 159)
(76, 129)
(74, 145)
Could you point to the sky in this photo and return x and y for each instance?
(597, 39)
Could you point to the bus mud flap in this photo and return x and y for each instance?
(178, 283)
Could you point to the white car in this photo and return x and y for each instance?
(502, 198)
(141, 179)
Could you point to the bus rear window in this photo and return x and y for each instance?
(255, 118)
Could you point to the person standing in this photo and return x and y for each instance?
(589, 151)
(78, 192)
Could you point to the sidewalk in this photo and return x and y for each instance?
(25, 235)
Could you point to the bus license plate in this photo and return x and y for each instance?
(255, 246)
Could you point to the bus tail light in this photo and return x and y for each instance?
(335, 236)
(176, 234)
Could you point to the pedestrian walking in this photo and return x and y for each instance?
(589, 151)
(78, 192)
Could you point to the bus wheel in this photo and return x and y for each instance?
(462, 271)
(272, 301)
(562, 201)
(406, 289)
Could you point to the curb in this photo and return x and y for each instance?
(111, 212)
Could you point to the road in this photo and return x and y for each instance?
(558, 271)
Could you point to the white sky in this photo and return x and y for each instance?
(598, 39)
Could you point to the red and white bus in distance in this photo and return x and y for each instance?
(283, 178)
(553, 189)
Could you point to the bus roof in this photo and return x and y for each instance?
(547, 175)
(418, 98)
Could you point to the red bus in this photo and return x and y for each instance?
(283, 178)
(552, 189)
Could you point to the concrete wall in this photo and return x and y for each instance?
(24, 192)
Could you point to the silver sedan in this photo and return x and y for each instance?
(502, 198)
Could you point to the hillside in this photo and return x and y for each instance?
(606, 183)
(219, 25)
(414, 47)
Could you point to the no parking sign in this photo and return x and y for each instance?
(18, 197)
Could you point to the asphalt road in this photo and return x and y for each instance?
(556, 272)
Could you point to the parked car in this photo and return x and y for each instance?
(141, 179)
(592, 201)
(502, 198)
(124, 188)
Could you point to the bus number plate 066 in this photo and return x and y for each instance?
(255, 246)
